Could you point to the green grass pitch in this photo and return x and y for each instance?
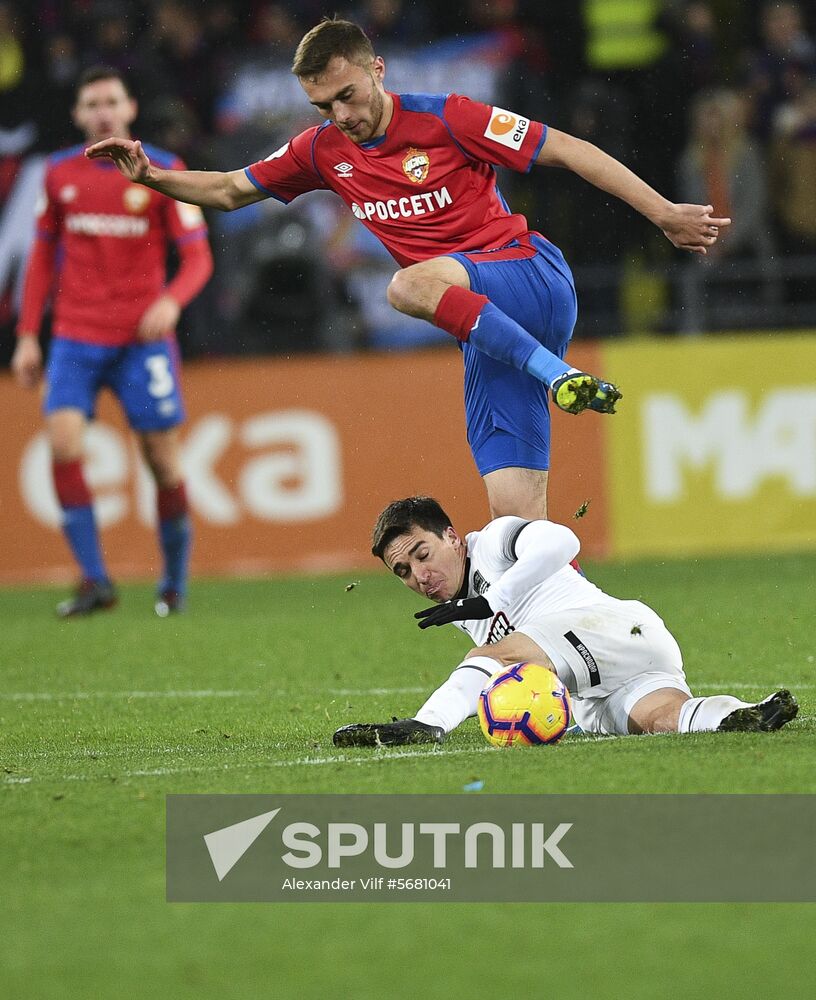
(100, 718)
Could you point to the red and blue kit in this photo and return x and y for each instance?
(106, 239)
(425, 188)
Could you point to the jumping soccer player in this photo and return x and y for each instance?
(114, 319)
(511, 588)
(417, 170)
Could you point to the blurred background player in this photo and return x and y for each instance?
(101, 246)
(510, 587)
(418, 171)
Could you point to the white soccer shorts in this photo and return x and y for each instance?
(617, 654)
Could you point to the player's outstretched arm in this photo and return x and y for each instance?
(688, 227)
(208, 188)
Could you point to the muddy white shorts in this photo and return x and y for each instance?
(609, 656)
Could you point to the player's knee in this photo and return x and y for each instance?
(163, 461)
(66, 442)
(396, 292)
(403, 292)
(658, 712)
(492, 652)
(165, 471)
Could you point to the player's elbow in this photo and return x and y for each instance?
(568, 542)
(229, 199)
(230, 195)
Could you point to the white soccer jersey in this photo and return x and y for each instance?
(522, 590)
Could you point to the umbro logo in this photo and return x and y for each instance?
(343, 169)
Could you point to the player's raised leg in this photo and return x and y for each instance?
(66, 430)
(439, 291)
(162, 453)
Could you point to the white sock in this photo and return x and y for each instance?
(457, 698)
(703, 715)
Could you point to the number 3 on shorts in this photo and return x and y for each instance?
(161, 378)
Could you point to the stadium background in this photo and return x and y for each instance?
(290, 454)
(311, 405)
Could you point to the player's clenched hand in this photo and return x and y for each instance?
(692, 227)
(466, 609)
(26, 362)
(159, 319)
(128, 155)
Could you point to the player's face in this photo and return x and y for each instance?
(352, 97)
(103, 109)
(429, 565)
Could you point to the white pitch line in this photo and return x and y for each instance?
(127, 695)
(723, 686)
(357, 692)
(206, 693)
(378, 757)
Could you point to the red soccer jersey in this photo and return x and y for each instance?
(425, 188)
(108, 240)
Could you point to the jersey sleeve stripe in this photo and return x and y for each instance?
(538, 148)
(455, 141)
(472, 666)
(312, 150)
(266, 191)
(512, 538)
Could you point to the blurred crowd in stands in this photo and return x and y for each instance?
(711, 101)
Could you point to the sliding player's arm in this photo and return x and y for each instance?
(207, 188)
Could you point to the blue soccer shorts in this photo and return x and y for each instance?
(143, 377)
(507, 410)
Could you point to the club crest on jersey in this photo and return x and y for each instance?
(343, 169)
(136, 199)
(416, 165)
(506, 128)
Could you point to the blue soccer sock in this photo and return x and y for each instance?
(78, 521)
(501, 337)
(175, 535)
(79, 527)
(474, 318)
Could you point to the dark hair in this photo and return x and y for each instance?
(95, 73)
(332, 37)
(401, 516)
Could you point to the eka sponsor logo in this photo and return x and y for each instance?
(506, 128)
(426, 203)
(291, 471)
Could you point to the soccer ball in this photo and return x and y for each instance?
(524, 705)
